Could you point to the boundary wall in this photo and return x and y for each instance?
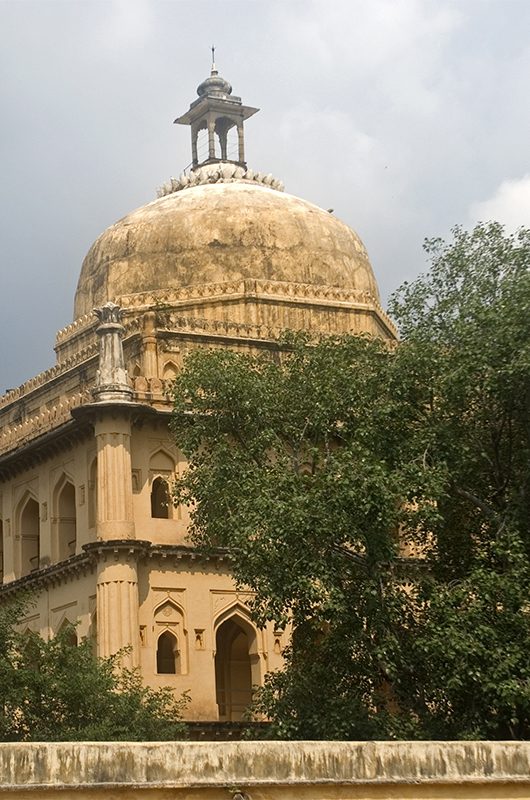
(265, 770)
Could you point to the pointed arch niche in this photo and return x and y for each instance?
(171, 639)
(170, 371)
(65, 520)
(29, 530)
(69, 629)
(237, 667)
(161, 475)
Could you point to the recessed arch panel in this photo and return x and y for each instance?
(65, 519)
(237, 667)
(29, 530)
(168, 617)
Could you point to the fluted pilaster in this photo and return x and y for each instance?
(114, 477)
(117, 608)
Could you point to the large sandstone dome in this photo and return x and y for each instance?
(218, 232)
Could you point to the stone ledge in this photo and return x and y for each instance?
(187, 765)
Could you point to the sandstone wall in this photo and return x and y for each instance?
(266, 770)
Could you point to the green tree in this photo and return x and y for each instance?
(57, 691)
(466, 335)
(316, 464)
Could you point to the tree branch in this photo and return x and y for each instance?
(476, 502)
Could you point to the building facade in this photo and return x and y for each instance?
(223, 258)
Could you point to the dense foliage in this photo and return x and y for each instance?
(377, 499)
(57, 691)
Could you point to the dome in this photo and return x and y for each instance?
(217, 232)
(214, 84)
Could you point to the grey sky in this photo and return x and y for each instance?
(405, 116)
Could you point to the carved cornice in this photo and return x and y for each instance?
(97, 551)
(53, 575)
(115, 548)
(50, 431)
(248, 286)
(176, 554)
(288, 291)
(169, 298)
(34, 450)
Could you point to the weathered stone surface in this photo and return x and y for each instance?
(271, 769)
(222, 232)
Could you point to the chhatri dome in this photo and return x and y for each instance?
(223, 222)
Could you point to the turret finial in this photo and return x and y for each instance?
(214, 69)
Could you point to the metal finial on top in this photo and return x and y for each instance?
(213, 59)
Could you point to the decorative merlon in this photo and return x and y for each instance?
(221, 172)
(18, 434)
(111, 378)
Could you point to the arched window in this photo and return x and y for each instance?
(167, 654)
(233, 671)
(29, 536)
(160, 500)
(171, 639)
(66, 522)
(68, 631)
(161, 473)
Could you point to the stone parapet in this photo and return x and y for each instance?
(263, 770)
(44, 378)
(47, 419)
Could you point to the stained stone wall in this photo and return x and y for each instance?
(266, 770)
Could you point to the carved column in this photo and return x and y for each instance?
(111, 380)
(194, 136)
(223, 138)
(211, 139)
(241, 142)
(114, 518)
(117, 605)
(149, 346)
